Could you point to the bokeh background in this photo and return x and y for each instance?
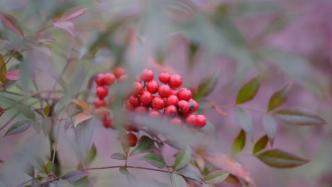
(284, 42)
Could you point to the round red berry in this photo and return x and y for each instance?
(109, 78)
(107, 121)
(183, 106)
(119, 72)
(200, 121)
(171, 110)
(138, 88)
(131, 140)
(158, 103)
(147, 75)
(152, 86)
(184, 94)
(101, 92)
(175, 81)
(99, 103)
(172, 100)
(164, 91)
(164, 77)
(193, 105)
(100, 79)
(133, 101)
(146, 98)
(191, 119)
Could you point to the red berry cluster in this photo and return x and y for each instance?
(103, 82)
(165, 97)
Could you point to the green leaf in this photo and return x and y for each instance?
(3, 70)
(48, 168)
(183, 157)
(280, 159)
(155, 160)
(239, 142)
(92, 154)
(205, 87)
(278, 98)
(145, 143)
(118, 156)
(178, 181)
(248, 91)
(18, 127)
(260, 144)
(297, 117)
(216, 177)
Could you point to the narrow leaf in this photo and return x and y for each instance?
(239, 142)
(92, 154)
(81, 104)
(281, 159)
(248, 91)
(10, 23)
(205, 87)
(278, 98)
(260, 144)
(145, 144)
(178, 181)
(81, 117)
(71, 15)
(216, 177)
(155, 160)
(18, 127)
(183, 157)
(297, 117)
(66, 25)
(118, 156)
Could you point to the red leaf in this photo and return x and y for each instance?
(71, 15)
(10, 23)
(13, 75)
(230, 165)
(65, 25)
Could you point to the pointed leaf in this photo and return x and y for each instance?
(297, 117)
(216, 177)
(178, 181)
(81, 104)
(183, 157)
(92, 154)
(118, 156)
(10, 23)
(81, 117)
(155, 160)
(248, 91)
(145, 143)
(65, 25)
(68, 16)
(18, 127)
(205, 87)
(281, 159)
(278, 98)
(239, 142)
(260, 144)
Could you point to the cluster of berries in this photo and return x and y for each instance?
(165, 98)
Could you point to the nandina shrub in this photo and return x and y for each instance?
(103, 111)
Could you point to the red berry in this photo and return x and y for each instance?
(172, 100)
(164, 91)
(154, 113)
(146, 98)
(119, 72)
(176, 121)
(183, 106)
(164, 77)
(138, 88)
(193, 105)
(107, 121)
(131, 139)
(158, 103)
(100, 103)
(152, 86)
(133, 101)
(175, 81)
(141, 109)
(191, 119)
(184, 94)
(101, 92)
(100, 79)
(147, 75)
(109, 78)
(200, 121)
(171, 110)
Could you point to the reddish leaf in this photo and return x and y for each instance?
(81, 117)
(226, 163)
(65, 25)
(81, 104)
(3, 70)
(10, 23)
(69, 16)
(13, 75)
